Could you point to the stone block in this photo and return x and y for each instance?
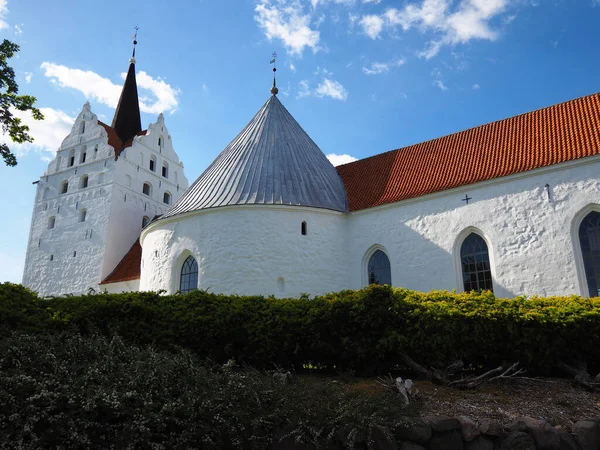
(587, 433)
(567, 441)
(450, 440)
(468, 428)
(491, 427)
(384, 440)
(517, 440)
(480, 443)
(444, 424)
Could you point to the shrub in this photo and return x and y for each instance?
(362, 331)
(67, 390)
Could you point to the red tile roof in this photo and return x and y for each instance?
(129, 267)
(552, 135)
(115, 142)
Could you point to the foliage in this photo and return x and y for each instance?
(9, 101)
(362, 331)
(66, 390)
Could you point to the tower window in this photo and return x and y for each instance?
(95, 152)
(83, 182)
(51, 222)
(160, 142)
(71, 158)
(64, 187)
(51, 257)
(74, 254)
(165, 170)
(83, 155)
(82, 127)
(303, 228)
(153, 164)
(147, 189)
(145, 221)
(167, 198)
(82, 215)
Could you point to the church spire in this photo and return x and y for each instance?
(127, 121)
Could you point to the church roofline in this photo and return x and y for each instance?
(535, 139)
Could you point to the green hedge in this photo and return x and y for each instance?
(361, 331)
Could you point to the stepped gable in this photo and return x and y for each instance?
(115, 142)
(541, 138)
(271, 162)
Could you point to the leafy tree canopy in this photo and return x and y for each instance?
(11, 101)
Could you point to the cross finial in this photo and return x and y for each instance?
(134, 37)
(466, 199)
(273, 61)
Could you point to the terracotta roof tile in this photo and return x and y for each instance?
(115, 142)
(552, 135)
(129, 267)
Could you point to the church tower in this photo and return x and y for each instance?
(105, 184)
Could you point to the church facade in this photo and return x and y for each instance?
(512, 206)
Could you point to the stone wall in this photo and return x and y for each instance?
(466, 434)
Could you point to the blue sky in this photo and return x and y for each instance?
(360, 76)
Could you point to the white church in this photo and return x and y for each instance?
(512, 206)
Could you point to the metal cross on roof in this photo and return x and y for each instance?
(466, 199)
(273, 61)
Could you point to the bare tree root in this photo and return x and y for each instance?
(580, 374)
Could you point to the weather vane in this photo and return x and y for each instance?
(273, 61)
(134, 37)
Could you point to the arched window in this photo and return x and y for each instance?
(51, 222)
(475, 262)
(160, 143)
(153, 163)
(83, 154)
(82, 130)
(83, 182)
(167, 198)
(589, 238)
(165, 170)
(82, 215)
(64, 187)
(189, 275)
(71, 158)
(147, 189)
(303, 228)
(145, 221)
(379, 269)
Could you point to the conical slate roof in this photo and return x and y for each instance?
(127, 122)
(271, 162)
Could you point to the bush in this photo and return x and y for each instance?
(66, 390)
(362, 331)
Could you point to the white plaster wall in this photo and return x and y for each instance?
(530, 238)
(129, 205)
(113, 220)
(247, 249)
(124, 286)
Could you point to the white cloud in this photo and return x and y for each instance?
(476, 86)
(595, 3)
(338, 160)
(440, 84)
(11, 268)
(48, 134)
(3, 13)
(164, 98)
(331, 88)
(376, 2)
(19, 30)
(286, 20)
(292, 68)
(28, 76)
(371, 25)
(378, 68)
(469, 19)
(327, 88)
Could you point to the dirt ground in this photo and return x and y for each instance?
(558, 401)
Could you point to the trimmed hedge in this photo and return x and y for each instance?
(361, 331)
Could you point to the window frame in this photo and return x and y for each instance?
(190, 275)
